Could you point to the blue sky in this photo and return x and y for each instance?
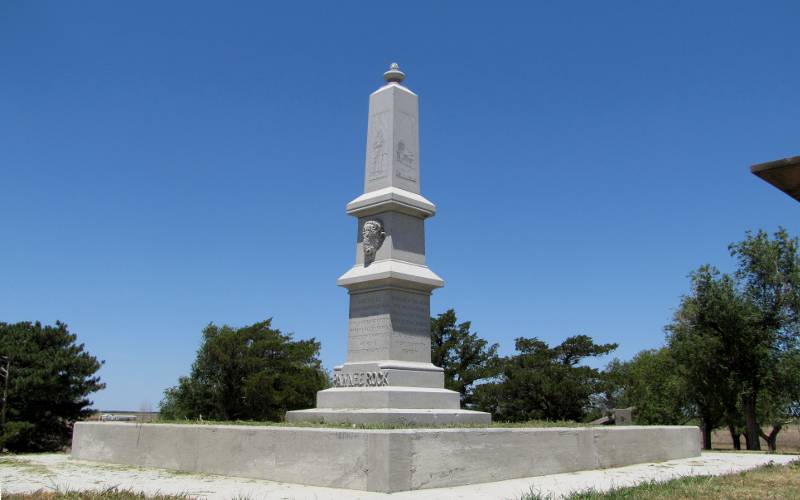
(168, 164)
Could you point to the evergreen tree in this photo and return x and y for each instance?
(545, 383)
(249, 373)
(50, 376)
(465, 357)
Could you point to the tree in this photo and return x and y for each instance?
(464, 356)
(736, 338)
(768, 274)
(543, 382)
(249, 373)
(650, 382)
(704, 339)
(779, 401)
(50, 376)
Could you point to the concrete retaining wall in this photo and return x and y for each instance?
(379, 460)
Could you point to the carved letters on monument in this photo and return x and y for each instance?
(360, 379)
(370, 324)
(369, 334)
(390, 320)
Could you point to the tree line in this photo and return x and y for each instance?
(731, 359)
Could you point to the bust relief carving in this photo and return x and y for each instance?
(372, 236)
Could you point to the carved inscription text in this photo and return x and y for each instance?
(389, 324)
(360, 379)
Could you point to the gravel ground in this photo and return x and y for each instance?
(58, 472)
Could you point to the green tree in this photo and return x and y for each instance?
(249, 373)
(779, 401)
(702, 338)
(50, 376)
(650, 382)
(736, 338)
(465, 357)
(768, 274)
(545, 383)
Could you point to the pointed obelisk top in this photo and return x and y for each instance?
(393, 136)
(394, 75)
(391, 174)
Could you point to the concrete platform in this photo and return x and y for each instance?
(57, 472)
(379, 460)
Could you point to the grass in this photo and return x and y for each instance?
(25, 465)
(108, 494)
(530, 423)
(770, 481)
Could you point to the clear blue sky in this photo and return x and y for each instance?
(164, 165)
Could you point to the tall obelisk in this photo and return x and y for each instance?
(388, 376)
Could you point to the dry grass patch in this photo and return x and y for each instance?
(768, 482)
(109, 494)
(788, 439)
(23, 464)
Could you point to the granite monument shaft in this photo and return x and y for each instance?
(388, 375)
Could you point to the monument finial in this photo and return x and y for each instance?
(394, 74)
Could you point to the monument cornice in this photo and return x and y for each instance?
(394, 86)
(388, 272)
(391, 199)
(391, 364)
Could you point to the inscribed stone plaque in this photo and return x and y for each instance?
(389, 324)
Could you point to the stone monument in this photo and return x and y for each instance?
(388, 376)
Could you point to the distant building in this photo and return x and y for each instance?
(783, 174)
